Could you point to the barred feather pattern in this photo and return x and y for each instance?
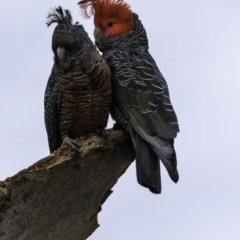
(85, 98)
(78, 93)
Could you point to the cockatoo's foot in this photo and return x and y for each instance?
(71, 143)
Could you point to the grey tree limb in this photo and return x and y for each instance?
(59, 197)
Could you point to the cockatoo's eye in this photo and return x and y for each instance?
(110, 24)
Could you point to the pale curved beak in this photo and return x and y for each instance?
(97, 32)
(61, 53)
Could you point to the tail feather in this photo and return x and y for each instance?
(147, 166)
(166, 152)
(164, 149)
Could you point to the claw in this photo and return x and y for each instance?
(71, 143)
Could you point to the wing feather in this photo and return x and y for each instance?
(51, 112)
(143, 93)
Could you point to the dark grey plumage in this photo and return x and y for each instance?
(141, 94)
(78, 93)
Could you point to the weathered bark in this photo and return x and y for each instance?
(60, 196)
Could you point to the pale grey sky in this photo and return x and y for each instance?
(196, 45)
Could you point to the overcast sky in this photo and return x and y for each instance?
(196, 45)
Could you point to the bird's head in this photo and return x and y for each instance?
(111, 17)
(68, 39)
(116, 26)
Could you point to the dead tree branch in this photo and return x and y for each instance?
(60, 196)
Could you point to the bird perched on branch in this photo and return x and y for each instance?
(140, 92)
(78, 93)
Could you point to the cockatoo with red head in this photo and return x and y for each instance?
(140, 93)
